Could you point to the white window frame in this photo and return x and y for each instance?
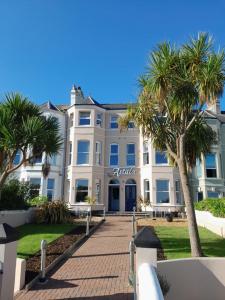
(114, 155)
(85, 118)
(98, 153)
(133, 154)
(163, 203)
(113, 122)
(88, 163)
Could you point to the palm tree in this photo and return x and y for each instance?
(179, 82)
(24, 129)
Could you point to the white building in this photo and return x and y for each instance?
(114, 167)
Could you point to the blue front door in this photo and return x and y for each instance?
(130, 197)
(114, 198)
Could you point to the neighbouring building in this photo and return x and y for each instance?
(115, 167)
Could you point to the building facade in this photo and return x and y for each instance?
(116, 167)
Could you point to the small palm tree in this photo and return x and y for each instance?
(178, 84)
(24, 129)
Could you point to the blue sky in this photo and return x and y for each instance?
(101, 45)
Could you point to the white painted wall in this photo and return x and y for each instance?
(207, 220)
(17, 218)
(194, 278)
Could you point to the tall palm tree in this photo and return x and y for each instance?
(179, 82)
(24, 129)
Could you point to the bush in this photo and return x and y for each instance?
(213, 205)
(55, 212)
(38, 201)
(14, 195)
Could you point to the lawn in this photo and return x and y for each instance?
(32, 234)
(175, 242)
(175, 239)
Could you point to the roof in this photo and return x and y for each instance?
(49, 105)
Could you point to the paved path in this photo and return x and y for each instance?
(98, 270)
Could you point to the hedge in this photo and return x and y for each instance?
(214, 205)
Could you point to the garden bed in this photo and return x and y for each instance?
(54, 250)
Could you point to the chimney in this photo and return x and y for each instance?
(76, 95)
(215, 107)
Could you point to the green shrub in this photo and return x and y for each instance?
(55, 212)
(213, 205)
(14, 195)
(90, 200)
(37, 201)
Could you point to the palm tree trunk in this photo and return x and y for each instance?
(196, 250)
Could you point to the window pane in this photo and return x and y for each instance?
(162, 197)
(213, 194)
(83, 158)
(83, 146)
(114, 149)
(35, 181)
(162, 185)
(131, 160)
(130, 148)
(160, 158)
(84, 118)
(51, 183)
(210, 160)
(198, 168)
(50, 195)
(81, 189)
(113, 122)
(17, 158)
(82, 183)
(113, 160)
(131, 124)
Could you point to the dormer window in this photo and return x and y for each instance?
(84, 118)
(99, 120)
(114, 122)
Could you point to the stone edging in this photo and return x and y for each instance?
(66, 254)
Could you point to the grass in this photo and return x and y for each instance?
(32, 234)
(175, 242)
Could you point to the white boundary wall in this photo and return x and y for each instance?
(214, 224)
(17, 218)
(194, 278)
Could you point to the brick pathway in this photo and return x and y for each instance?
(98, 270)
